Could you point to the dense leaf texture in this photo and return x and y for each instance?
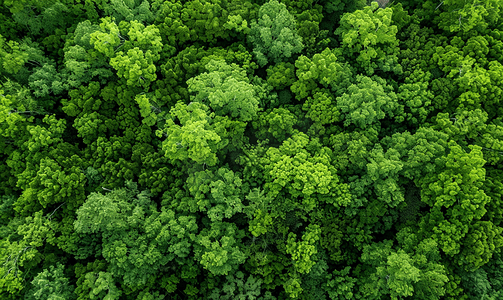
(251, 149)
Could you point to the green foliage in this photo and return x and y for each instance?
(218, 194)
(481, 242)
(205, 19)
(469, 16)
(218, 248)
(134, 10)
(227, 90)
(340, 286)
(143, 47)
(383, 170)
(303, 251)
(236, 287)
(13, 58)
(416, 97)
(102, 286)
(106, 38)
(42, 17)
(367, 102)
(51, 284)
(368, 35)
(413, 270)
(136, 67)
(46, 80)
(194, 139)
(321, 108)
(323, 69)
(341, 6)
(251, 149)
(278, 123)
(274, 36)
(18, 258)
(125, 217)
(306, 177)
(459, 185)
(281, 75)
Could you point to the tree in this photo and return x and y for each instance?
(274, 37)
(278, 123)
(459, 185)
(236, 287)
(51, 284)
(368, 101)
(404, 272)
(303, 251)
(12, 56)
(323, 69)
(251, 149)
(138, 240)
(321, 108)
(170, 24)
(216, 193)
(383, 170)
(416, 97)
(307, 178)
(468, 16)
(102, 286)
(135, 61)
(340, 286)
(369, 37)
(205, 20)
(218, 248)
(194, 138)
(227, 90)
(281, 75)
(82, 62)
(135, 10)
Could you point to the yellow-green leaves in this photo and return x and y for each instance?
(303, 251)
(292, 169)
(321, 108)
(146, 38)
(237, 23)
(146, 111)
(281, 75)
(369, 36)
(135, 66)
(11, 56)
(194, 138)
(468, 16)
(322, 70)
(107, 38)
(132, 55)
(226, 89)
(459, 185)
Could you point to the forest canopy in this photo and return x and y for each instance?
(251, 149)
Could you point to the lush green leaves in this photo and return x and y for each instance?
(368, 101)
(251, 149)
(51, 285)
(274, 36)
(369, 36)
(226, 89)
